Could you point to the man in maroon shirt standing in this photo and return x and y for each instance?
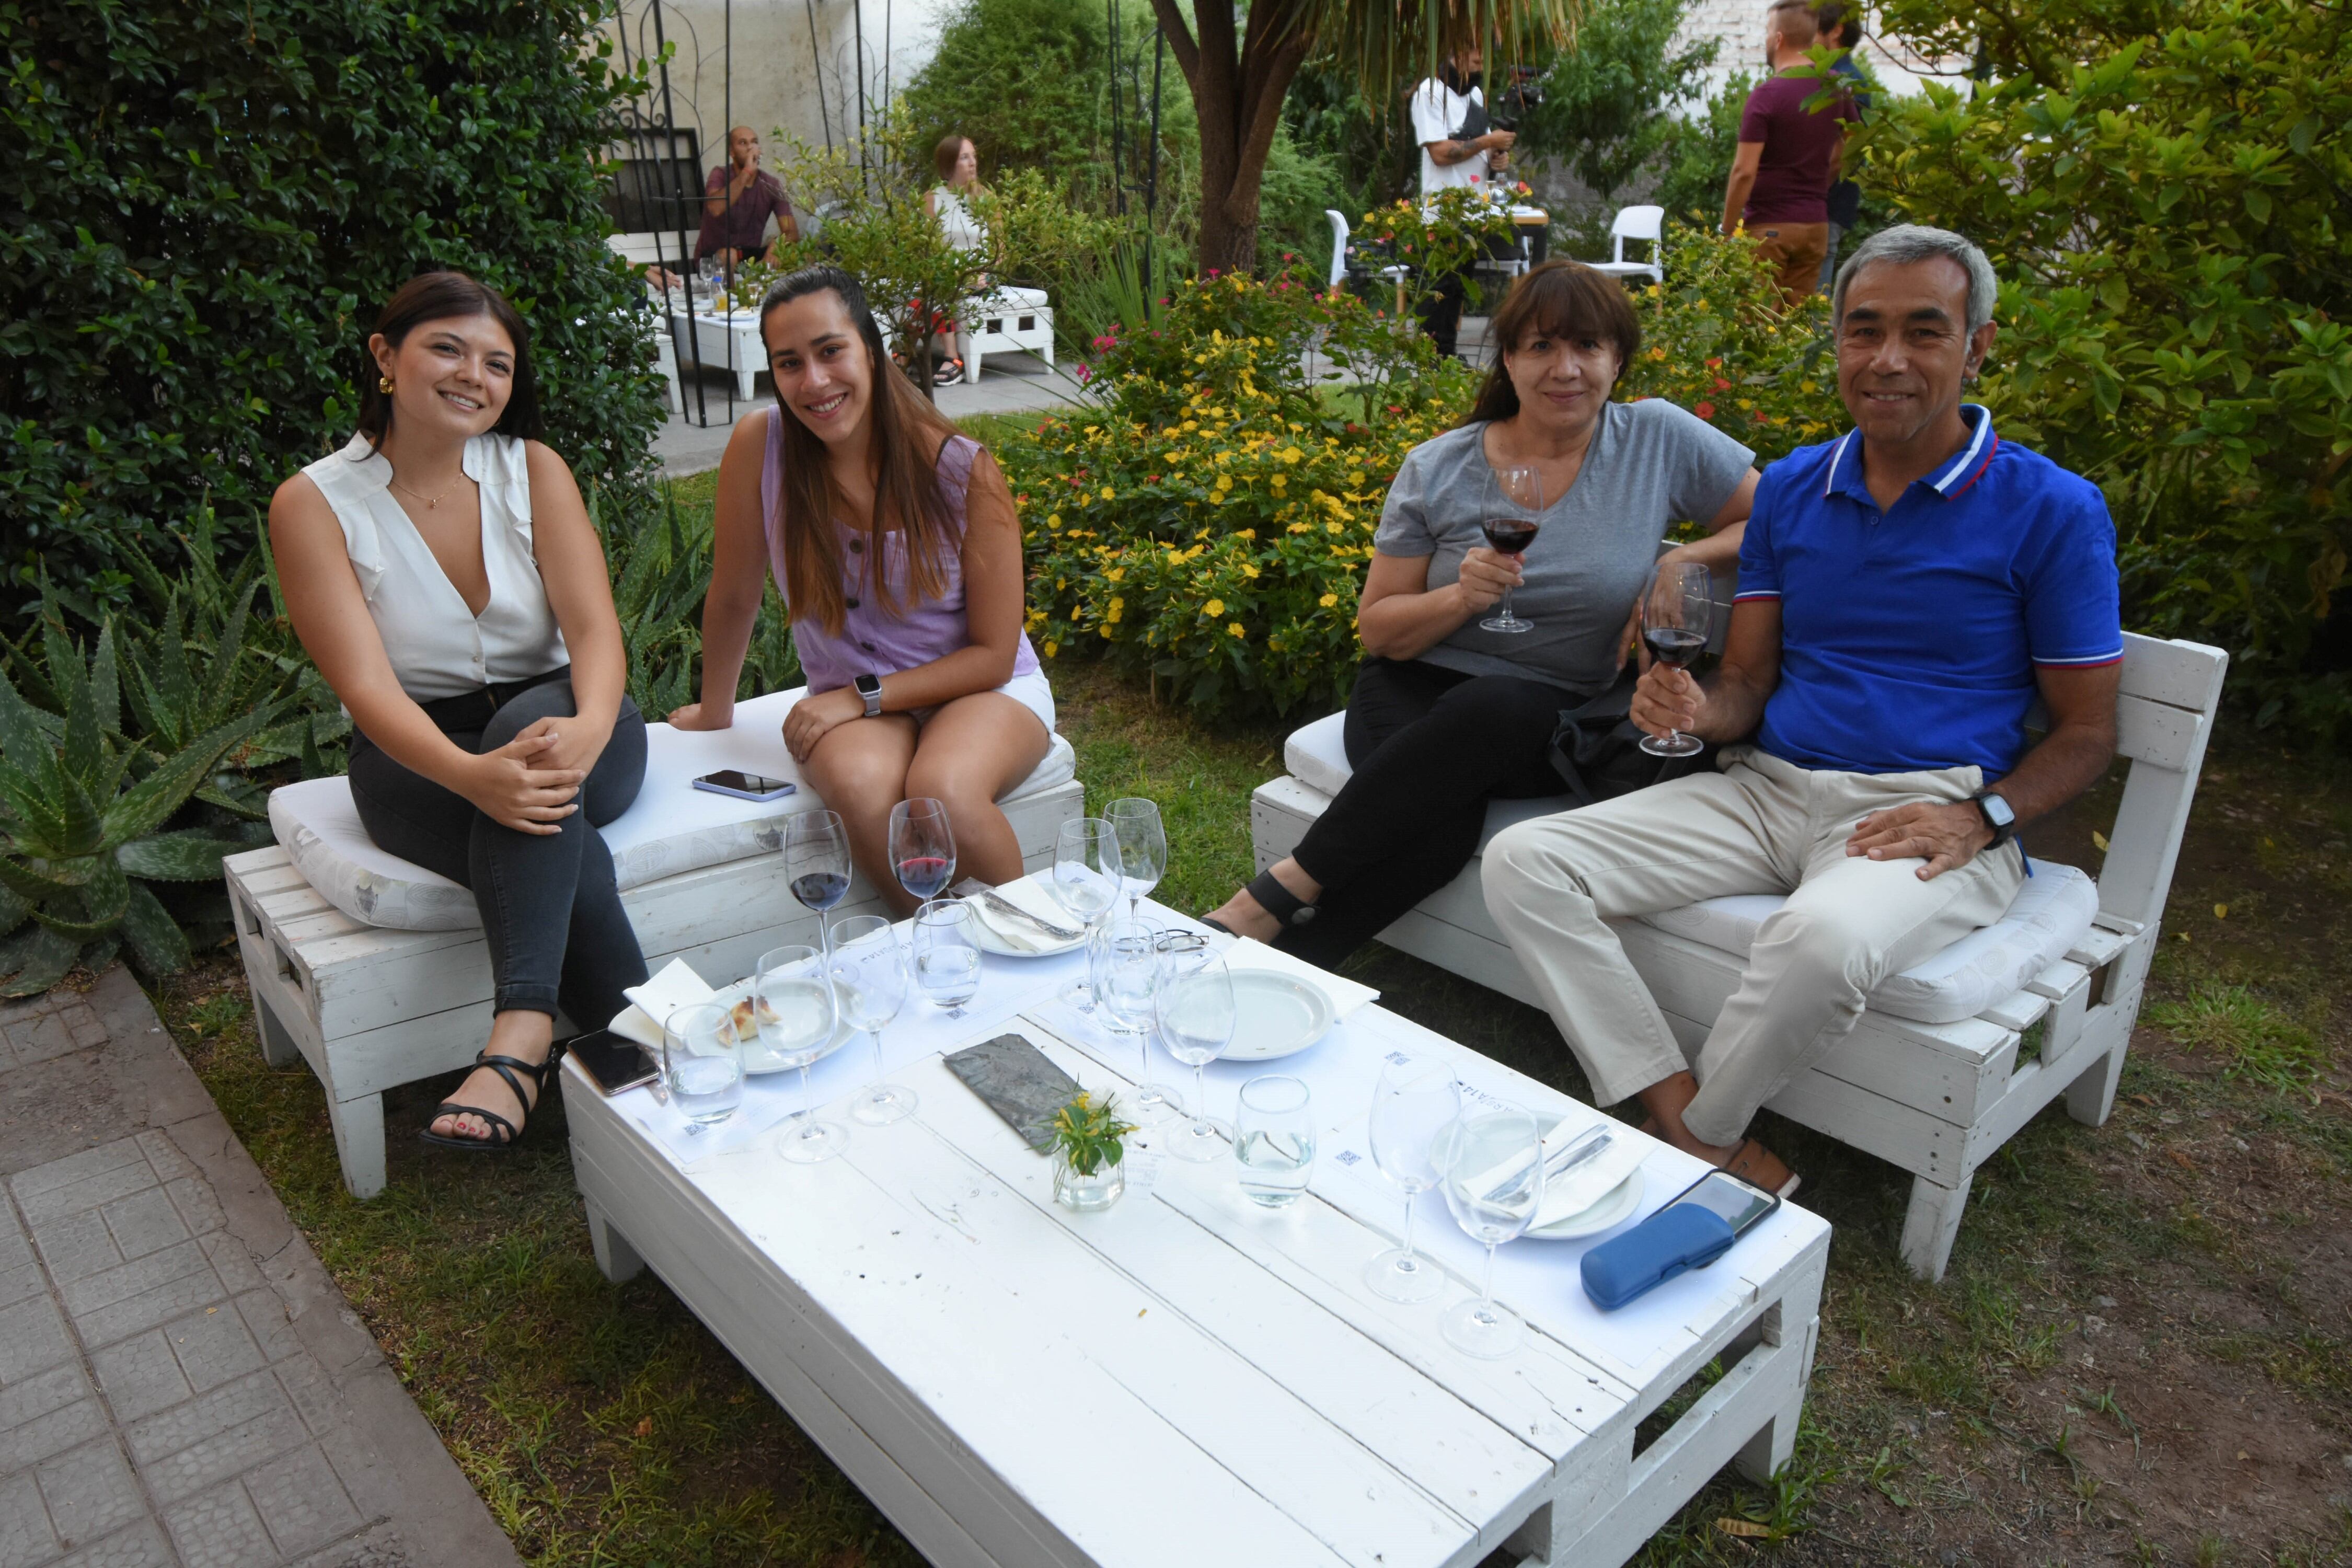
(1789, 156)
(738, 201)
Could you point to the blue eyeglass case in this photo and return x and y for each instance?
(1677, 1238)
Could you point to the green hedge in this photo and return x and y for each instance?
(204, 202)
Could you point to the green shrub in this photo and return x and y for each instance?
(201, 206)
(2166, 211)
(661, 574)
(1610, 99)
(1207, 525)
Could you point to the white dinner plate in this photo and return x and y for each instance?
(1614, 1207)
(758, 1059)
(985, 937)
(1275, 1016)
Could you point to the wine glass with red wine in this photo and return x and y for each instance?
(1514, 511)
(922, 847)
(1676, 620)
(816, 865)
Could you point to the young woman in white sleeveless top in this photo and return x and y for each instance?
(442, 573)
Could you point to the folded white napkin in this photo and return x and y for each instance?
(1593, 1180)
(1346, 995)
(1024, 893)
(678, 985)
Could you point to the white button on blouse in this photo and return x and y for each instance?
(437, 646)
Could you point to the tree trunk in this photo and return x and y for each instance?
(1237, 91)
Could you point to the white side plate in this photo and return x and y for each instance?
(1275, 1016)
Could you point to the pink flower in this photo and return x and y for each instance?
(1704, 410)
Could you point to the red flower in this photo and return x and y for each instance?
(1714, 362)
(1704, 410)
(1721, 384)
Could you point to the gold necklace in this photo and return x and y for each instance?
(432, 503)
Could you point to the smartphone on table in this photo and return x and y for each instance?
(1739, 1202)
(615, 1063)
(746, 786)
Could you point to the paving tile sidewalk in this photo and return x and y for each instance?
(181, 1384)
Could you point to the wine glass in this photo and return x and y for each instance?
(870, 976)
(1677, 615)
(946, 955)
(795, 1009)
(816, 865)
(1195, 1013)
(702, 1067)
(922, 847)
(1087, 879)
(1142, 846)
(1514, 511)
(1412, 1106)
(1494, 1179)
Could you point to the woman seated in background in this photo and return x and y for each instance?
(1446, 716)
(442, 573)
(958, 163)
(894, 542)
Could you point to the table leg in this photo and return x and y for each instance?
(615, 1258)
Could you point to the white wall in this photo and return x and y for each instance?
(1740, 24)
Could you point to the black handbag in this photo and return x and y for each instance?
(1597, 750)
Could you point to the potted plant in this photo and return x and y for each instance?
(1089, 1154)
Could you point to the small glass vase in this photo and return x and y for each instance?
(1087, 1193)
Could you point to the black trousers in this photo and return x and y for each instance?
(558, 935)
(1430, 747)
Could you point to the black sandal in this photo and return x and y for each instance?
(498, 1143)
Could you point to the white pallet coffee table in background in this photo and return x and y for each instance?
(1188, 1379)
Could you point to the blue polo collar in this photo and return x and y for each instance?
(1845, 462)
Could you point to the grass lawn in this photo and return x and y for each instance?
(2141, 1353)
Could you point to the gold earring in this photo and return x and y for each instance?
(384, 383)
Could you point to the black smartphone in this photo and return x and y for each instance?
(1740, 1202)
(745, 786)
(613, 1062)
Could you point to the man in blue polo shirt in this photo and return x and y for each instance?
(1906, 593)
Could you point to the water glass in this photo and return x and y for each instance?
(701, 1066)
(1195, 1014)
(1493, 1175)
(1087, 879)
(1413, 1104)
(795, 1012)
(816, 864)
(1274, 1139)
(946, 955)
(1142, 846)
(922, 847)
(870, 977)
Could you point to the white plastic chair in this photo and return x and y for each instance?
(1340, 253)
(1637, 223)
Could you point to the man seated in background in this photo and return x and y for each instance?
(1906, 593)
(1789, 155)
(738, 201)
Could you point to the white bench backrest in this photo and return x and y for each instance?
(652, 247)
(2164, 717)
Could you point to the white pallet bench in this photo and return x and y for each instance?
(1936, 1099)
(371, 1008)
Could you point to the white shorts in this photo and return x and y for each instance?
(1032, 691)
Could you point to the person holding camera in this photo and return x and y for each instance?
(1458, 148)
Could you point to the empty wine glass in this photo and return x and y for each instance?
(1195, 1013)
(1678, 616)
(922, 847)
(1512, 514)
(816, 865)
(1415, 1101)
(1142, 846)
(795, 1010)
(1494, 1179)
(870, 976)
(946, 955)
(701, 1066)
(1087, 879)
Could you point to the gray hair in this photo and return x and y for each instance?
(1909, 242)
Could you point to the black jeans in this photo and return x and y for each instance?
(558, 935)
(1430, 747)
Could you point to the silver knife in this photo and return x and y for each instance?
(995, 900)
(1581, 1148)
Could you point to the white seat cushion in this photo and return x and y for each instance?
(1316, 756)
(2051, 914)
(671, 827)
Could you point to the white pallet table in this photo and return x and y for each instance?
(730, 343)
(1185, 1378)
(1936, 1099)
(1006, 321)
(371, 1008)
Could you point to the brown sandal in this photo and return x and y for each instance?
(1751, 1162)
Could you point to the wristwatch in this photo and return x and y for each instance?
(869, 687)
(1997, 815)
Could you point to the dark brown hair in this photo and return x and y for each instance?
(951, 148)
(1560, 298)
(437, 296)
(908, 434)
(1830, 17)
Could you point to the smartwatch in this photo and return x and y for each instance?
(1997, 815)
(869, 687)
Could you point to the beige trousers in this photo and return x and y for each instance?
(1759, 826)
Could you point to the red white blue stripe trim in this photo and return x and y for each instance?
(2091, 661)
(1965, 470)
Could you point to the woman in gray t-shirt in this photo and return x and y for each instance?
(1446, 716)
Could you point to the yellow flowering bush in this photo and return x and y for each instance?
(1209, 521)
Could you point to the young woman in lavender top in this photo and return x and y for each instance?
(893, 539)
